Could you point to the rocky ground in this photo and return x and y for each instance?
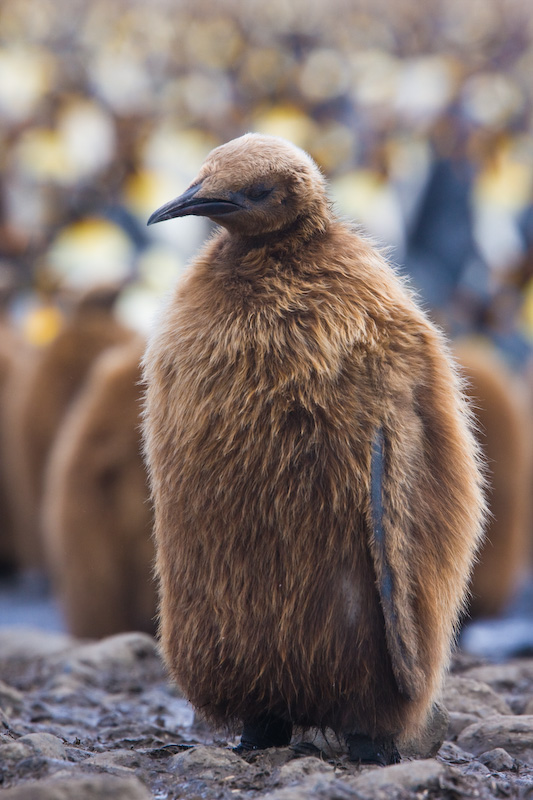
(99, 720)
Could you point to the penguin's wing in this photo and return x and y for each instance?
(391, 579)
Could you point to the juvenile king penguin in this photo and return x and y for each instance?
(501, 404)
(317, 491)
(97, 517)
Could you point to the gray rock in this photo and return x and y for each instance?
(412, 775)
(430, 740)
(458, 722)
(373, 783)
(44, 745)
(497, 759)
(12, 752)
(511, 676)
(514, 734)
(26, 644)
(453, 754)
(475, 768)
(97, 787)
(469, 700)
(116, 760)
(471, 696)
(11, 701)
(528, 706)
(125, 659)
(299, 769)
(325, 787)
(207, 763)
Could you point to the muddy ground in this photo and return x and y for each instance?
(100, 720)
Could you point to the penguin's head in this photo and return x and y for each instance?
(255, 185)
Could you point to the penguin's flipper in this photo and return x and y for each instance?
(390, 561)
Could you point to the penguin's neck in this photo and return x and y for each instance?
(264, 254)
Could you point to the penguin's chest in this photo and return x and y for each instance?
(272, 451)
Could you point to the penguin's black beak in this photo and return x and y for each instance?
(190, 203)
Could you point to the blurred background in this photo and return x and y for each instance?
(420, 115)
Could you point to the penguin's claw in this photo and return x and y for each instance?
(265, 731)
(364, 750)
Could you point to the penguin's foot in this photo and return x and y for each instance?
(262, 732)
(365, 750)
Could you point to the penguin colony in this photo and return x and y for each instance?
(39, 394)
(318, 497)
(96, 510)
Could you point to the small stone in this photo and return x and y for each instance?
(497, 759)
(514, 734)
(11, 701)
(411, 775)
(475, 768)
(297, 770)
(430, 740)
(27, 644)
(458, 722)
(13, 752)
(325, 787)
(470, 696)
(207, 763)
(44, 745)
(469, 700)
(528, 706)
(94, 787)
(123, 759)
(505, 677)
(452, 754)
(125, 659)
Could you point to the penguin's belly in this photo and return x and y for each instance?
(268, 596)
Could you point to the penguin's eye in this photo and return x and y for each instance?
(258, 192)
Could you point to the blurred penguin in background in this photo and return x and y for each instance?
(500, 405)
(39, 396)
(13, 351)
(96, 511)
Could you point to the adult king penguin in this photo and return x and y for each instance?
(318, 498)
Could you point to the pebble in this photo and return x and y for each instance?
(469, 700)
(514, 734)
(300, 768)
(11, 701)
(497, 759)
(101, 787)
(207, 763)
(413, 775)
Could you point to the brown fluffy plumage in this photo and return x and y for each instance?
(97, 514)
(40, 394)
(287, 346)
(504, 425)
(13, 352)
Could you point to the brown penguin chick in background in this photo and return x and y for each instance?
(39, 398)
(317, 494)
(13, 353)
(499, 401)
(97, 515)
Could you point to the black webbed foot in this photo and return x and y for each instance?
(365, 750)
(262, 732)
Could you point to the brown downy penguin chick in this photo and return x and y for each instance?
(97, 515)
(317, 493)
(13, 352)
(41, 398)
(500, 405)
